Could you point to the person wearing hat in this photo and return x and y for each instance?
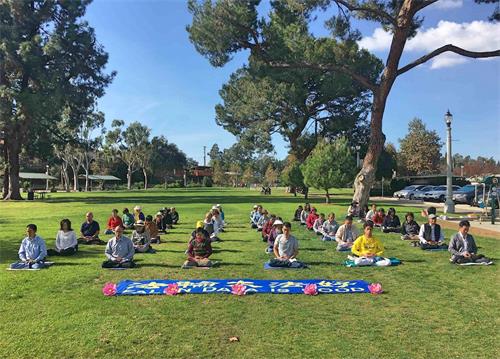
(128, 219)
(160, 222)
(252, 213)
(431, 235)
(276, 230)
(152, 229)
(346, 234)
(175, 215)
(119, 251)
(199, 249)
(463, 248)
(141, 239)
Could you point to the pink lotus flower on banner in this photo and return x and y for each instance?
(238, 289)
(171, 289)
(375, 288)
(311, 289)
(109, 289)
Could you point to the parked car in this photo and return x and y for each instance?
(438, 194)
(422, 191)
(408, 192)
(467, 193)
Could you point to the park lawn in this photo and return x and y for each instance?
(430, 308)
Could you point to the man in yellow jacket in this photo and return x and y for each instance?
(368, 250)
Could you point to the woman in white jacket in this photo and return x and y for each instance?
(66, 242)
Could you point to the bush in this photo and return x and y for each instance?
(207, 182)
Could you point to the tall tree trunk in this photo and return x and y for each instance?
(86, 179)
(13, 150)
(129, 177)
(145, 173)
(64, 173)
(6, 173)
(327, 197)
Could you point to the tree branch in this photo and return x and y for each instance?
(367, 10)
(359, 78)
(446, 48)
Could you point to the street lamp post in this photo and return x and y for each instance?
(47, 182)
(449, 205)
(461, 170)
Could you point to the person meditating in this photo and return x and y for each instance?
(298, 211)
(276, 230)
(346, 234)
(463, 248)
(391, 223)
(410, 228)
(119, 251)
(138, 215)
(371, 213)
(353, 209)
(304, 214)
(330, 227)
(199, 249)
(128, 219)
(379, 217)
(286, 249)
(141, 239)
(32, 251)
(152, 229)
(318, 225)
(175, 215)
(311, 218)
(66, 242)
(113, 222)
(89, 231)
(430, 234)
(368, 250)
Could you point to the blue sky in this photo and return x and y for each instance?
(165, 84)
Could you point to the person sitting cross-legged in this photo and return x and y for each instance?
(199, 249)
(89, 231)
(152, 229)
(298, 211)
(463, 248)
(330, 227)
(217, 220)
(66, 242)
(379, 217)
(304, 214)
(262, 220)
(141, 238)
(113, 222)
(138, 215)
(368, 250)
(254, 220)
(268, 226)
(175, 215)
(391, 223)
(276, 230)
(410, 228)
(311, 218)
(119, 251)
(371, 213)
(128, 219)
(431, 235)
(346, 234)
(353, 209)
(318, 225)
(286, 249)
(32, 251)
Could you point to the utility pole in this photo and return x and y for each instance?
(204, 155)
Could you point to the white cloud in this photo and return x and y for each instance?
(473, 36)
(448, 4)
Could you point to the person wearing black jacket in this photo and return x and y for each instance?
(391, 223)
(410, 228)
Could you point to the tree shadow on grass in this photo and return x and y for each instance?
(226, 250)
(319, 263)
(413, 261)
(313, 249)
(58, 264)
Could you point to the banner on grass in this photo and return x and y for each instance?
(202, 286)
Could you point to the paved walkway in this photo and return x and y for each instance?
(480, 227)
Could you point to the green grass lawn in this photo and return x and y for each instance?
(430, 308)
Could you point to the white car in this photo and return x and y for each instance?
(420, 194)
(407, 192)
(439, 193)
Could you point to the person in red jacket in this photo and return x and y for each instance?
(378, 218)
(313, 216)
(113, 222)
